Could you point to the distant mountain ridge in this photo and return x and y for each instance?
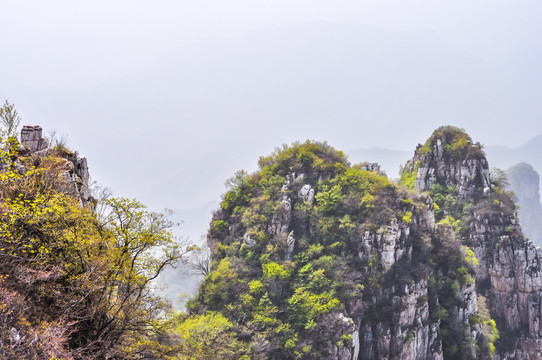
(524, 182)
(504, 157)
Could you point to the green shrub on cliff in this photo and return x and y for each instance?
(75, 284)
(286, 301)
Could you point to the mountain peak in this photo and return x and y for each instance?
(451, 141)
(448, 158)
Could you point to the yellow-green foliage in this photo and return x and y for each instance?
(306, 307)
(450, 221)
(456, 142)
(220, 283)
(408, 202)
(460, 143)
(220, 226)
(314, 251)
(408, 175)
(489, 327)
(346, 223)
(409, 336)
(208, 337)
(425, 149)
(256, 287)
(276, 271)
(310, 155)
(367, 200)
(407, 218)
(78, 268)
(328, 199)
(470, 258)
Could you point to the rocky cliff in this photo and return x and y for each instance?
(455, 172)
(75, 284)
(313, 258)
(316, 258)
(70, 169)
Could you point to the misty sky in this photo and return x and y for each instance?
(167, 99)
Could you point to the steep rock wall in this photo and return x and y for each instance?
(509, 271)
(315, 231)
(73, 172)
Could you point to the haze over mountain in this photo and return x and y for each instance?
(175, 94)
(525, 183)
(167, 99)
(506, 156)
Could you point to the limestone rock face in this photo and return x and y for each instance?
(306, 193)
(467, 173)
(248, 241)
(410, 329)
(421, 275)
(409, 333)
(372, 167)
(509, 271)
(378, 241)
(75, 175)
(291, 246)
(31, 136)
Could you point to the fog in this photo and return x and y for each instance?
(167, 99)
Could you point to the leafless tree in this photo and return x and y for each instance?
(199, 261)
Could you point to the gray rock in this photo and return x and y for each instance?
(248, 241)
(291, 245)
(507, 261)
(306, 193)
(31, 136)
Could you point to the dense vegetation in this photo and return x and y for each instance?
(75, 284)
(283, 301)
(298, 261)
(283, 298)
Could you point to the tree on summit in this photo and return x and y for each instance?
(9, 119)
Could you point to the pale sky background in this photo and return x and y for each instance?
(167, 99)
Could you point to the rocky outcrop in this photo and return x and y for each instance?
(437, 166)
(405, 330)
(354, 267)
(291, 246)
(378, 242)
(509, 271)
(373, 167)
(73, 177)
(306, 193)
(31, 136)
